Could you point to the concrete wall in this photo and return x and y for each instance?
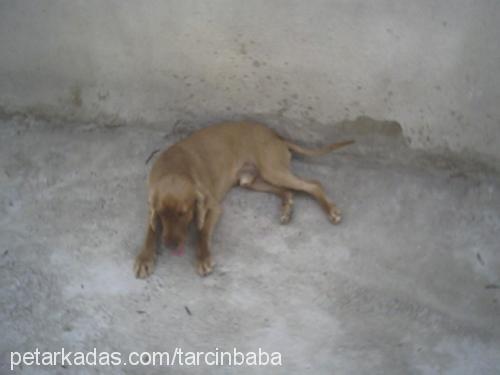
(433, 66)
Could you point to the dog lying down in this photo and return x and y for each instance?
(189, 180)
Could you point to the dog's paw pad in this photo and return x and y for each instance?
(286, 215)
(286, 210)
(143, 267)
(205, 267)
(335, 215)
(285, 218)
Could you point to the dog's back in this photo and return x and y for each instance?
(213, 155)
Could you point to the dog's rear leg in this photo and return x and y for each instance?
(285, 179)
(204, 258)
(258, 184)
(145, 260)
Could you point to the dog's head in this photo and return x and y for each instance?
(173, 203)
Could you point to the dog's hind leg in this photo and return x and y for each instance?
(275, 169)
(258, 184)
(249, 178)
(286, 179)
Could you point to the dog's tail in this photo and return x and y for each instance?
(317, 151)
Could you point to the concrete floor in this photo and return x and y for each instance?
(407, 284)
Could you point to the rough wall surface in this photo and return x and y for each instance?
(430, 65)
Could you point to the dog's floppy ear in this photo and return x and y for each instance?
(201, 209)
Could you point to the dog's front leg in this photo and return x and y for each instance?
(204, 258)
(145, 261)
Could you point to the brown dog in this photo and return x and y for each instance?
(191, 178)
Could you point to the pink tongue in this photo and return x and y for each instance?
(179, 251)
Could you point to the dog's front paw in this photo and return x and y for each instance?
(205, 266)
(335, 215)
(144, 266)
